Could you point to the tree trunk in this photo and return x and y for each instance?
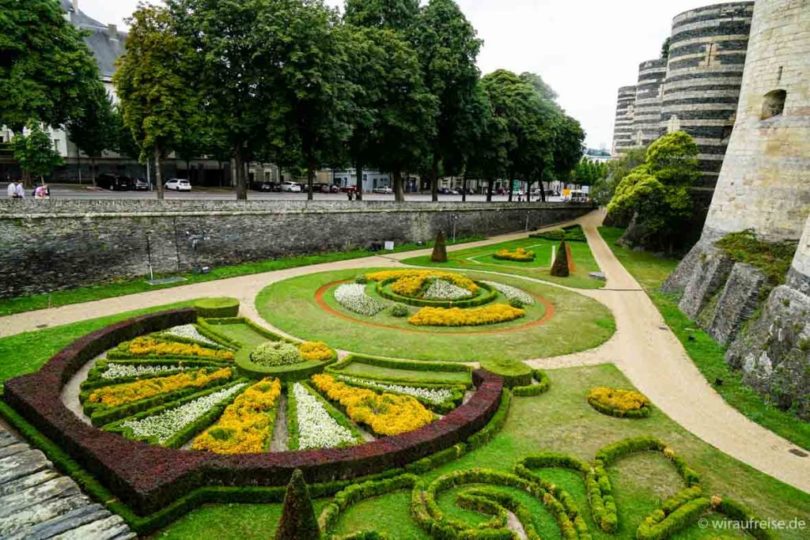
(310, 182)
(221, 174)
(489, 189)
(79, 164)
(464, 188)
(434, 181)
(241, 185)
(359, 182)
(93, 170)
(158, 174)
(399, 192)
(511, 185)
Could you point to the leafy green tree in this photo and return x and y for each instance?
(665, 48)
(488, 138)
(560, 266)
(657, 193)
(567, 140)
(448, 49)
(397, 15)
(152, 80)
(298, 520)
(94, 129)
(540, 86)
(45, 67)
(35, 153)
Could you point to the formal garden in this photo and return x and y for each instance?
(403, 402)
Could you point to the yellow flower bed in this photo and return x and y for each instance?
(619, 400)
(315, 350)
(245, 426)
(146, 346)
(520, 254)
(491, 314)
(119, 394)
(386, 414)
(411, 282)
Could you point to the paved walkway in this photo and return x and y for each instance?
(36, 502)
(644, 348)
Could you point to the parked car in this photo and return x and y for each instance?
(262, 186)
(349, 189)
(113, 182)
(385, 190)
(140, 184)
(290, 187)
(329, 188)
(177, 184)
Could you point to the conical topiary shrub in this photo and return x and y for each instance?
(439, 249)
(298, 520)
(560, 266)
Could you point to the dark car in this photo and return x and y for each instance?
(262, 186)
(113, 182)
(140, 184)
(349, 189)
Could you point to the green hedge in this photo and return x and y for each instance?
(402, 364)
(660, 526)
(214, 308)
(488, 295)
(644, 412)
(540, 387)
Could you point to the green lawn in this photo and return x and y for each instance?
(558, 421)
(358, 368)
(133, 286)
(708, 355)
(579, 323)
(481, 258)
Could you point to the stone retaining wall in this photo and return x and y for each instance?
(57, 244)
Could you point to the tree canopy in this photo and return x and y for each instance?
(35, 153)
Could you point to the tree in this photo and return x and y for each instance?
(567, 140)
(35, 153)
(488, 139)
(94, 129)
(665, 48)
(298, 520)
(152, 80)
(397, 15)
(439, 249)
(657, 193)
(448, 49)
(45, 67)
(560, 266)
(540, 86)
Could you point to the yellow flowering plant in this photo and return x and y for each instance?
(491, 314)
(385, 414)
(148, 346)
(520, 255)
(617, 402)
(246, 426)
(316, 350)
(120, 394)
(411, 282)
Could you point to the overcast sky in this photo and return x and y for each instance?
(585, 49)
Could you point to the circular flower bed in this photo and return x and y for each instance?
(518, 255)
(276, 353)
(619, 403)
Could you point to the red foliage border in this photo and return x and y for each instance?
(148, 477)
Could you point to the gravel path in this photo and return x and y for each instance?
(644, 348)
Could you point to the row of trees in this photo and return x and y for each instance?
(389, 85)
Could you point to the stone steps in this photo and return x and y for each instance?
(37, 502)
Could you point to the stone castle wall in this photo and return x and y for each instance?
(47, 245)
(647, 110)
(623, 127)
(703, 79)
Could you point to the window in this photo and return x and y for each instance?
(674, 124)
(774, 104)
(710, 58)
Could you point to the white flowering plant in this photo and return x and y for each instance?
(511, 293)
(120, 371)
(440, 289)
(353, 297)
(317, 428)
(189, 332)
(441, 397)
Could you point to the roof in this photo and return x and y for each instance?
(105, 44)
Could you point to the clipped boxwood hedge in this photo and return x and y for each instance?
(540, 385)
(217, 308)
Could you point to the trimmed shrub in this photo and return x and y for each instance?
(439, 254)
(541, 386)
(560, 266)
(298, 516)
(659, 525)
(518, 255)
(400, 310)
(619, 403)
(217, 308)
(554, 235)
(276, 353)
(361, 279)
(517, 303)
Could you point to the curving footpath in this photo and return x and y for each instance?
(643, 347)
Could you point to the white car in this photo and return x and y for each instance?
(290, 187)
(178, 185)
(385, 190)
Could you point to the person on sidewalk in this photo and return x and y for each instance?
(20, 191)
(12, 190)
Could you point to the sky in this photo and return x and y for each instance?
(584, 49)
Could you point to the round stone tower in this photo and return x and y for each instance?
(647, 115)
(704, 75)
(623, 127)
(765, 180)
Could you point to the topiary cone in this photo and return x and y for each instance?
(439, 249)
(298, 520)
(560, 266)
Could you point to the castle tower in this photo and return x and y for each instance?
(704, 74)
(623, 127)
(647, 116)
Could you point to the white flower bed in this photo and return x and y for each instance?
(316, 427)
(440, 289)
(189, 331)
(353, 297)
(118, 371)
(511, 292)
(166, 424)
(431, 395)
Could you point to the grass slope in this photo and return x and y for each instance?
(708, 355)
(578, 324)
(481, 258)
